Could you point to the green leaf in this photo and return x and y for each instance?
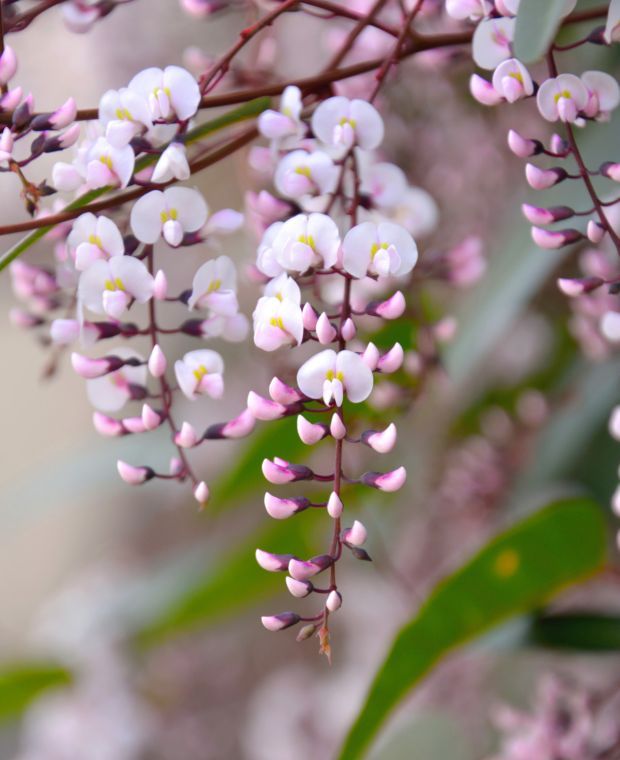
(580, 631)
(236, 115)
(514, 573)
(22, 683)
(537, 24)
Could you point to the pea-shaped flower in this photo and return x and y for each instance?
(124, 113)
(277, 318)
(215, 287)
(382, 249)
(512, 80)
(171, 213)
(342, 122)
(93, 238)
(200, 373)
(306, 241)
(108, 287)
(301, 173)
(562, 98)
(286, 122)
(329, 375)
(170, 93)
(492, 40)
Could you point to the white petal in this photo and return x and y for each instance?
(184, 91)
(145, 218)
(323, 230)
(190, 206)
(357, 247)
(327, 116)
(358, 380)
(312, 374)
(368, 124)
(395, 235)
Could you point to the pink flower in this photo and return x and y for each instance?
(382, 249)
(562, 98)
(200, 372)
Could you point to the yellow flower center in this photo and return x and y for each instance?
(376, 247)
(95, 240)
(123, 114)
(304, 171)
(564, 94)
(306, 240)
(200, 372)
(346, 120)
(516, 75)
(172, 214)
(106, 161)
(116, 284)
(276, 322)
(330, 375)
(213, 286)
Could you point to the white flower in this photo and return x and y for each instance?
(383, 249)
(124, 113)
(603, 94)
(385, 183)
(417, 212)
(306, 241)
(512, 80)
(200, 372)
(111, 392)
(107, 165)
(173, 212)
(277, 317)
(172, 164)
(169, 93)
(339, 121)
(215, 287)
(6, 147)
(79, 17)
(612, 27)
(492, 40)
(329, 375)
(93, 238)
(301, 173)
(266, 260)
(107, 287)
(286, 122)
(562, 98)
(471, 9)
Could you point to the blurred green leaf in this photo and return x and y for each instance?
(580, 631)
(516, 572)
(234, 116)
(22, 683)
(537, 25)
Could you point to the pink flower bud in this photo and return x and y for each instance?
(201, 493)
(551, 240)
(264, 409)
(310, 432)
(11, 99)
(301, 570)
(281, 621)
(595, 232)
(134, 425)
(483, 91)
(540, 216)
(611, 170)
(615, 505)
(60, 118)
(610, 326)
(283, 393)
(160, 285)
(325, 331)
(239, 427)
(541, 179)
(337, 427)
(390, 309)
(8, 65)
(445, 329)
(381, 441)
(348, 329)
(157, 362)
(371, 356)
(24, 320)
(135, 476)
(309, 316)
(577, 287)
(334, 505)
(150, 418)
(91, 368)
(280, 509)
(107, 426)
(176, 467)
(392, 360)
(356, 535)
(273, 563)
(279, 471)
(299, 589)
(614, 423)
(523, 147)
(333, 601)
(186, 437)
(388, 481)
(559, 146)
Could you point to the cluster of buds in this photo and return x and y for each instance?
(328, 169)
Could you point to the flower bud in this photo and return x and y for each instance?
(238, 427)
(279, 471)
(107, 426)
(333, 601)
(611, 170)
(10, 100)
(614, 423)
(64, 331)
(595, 232)
(134, 425)
(24, 319)
(483, 91)
(280, 509)
(553, 239)
(301, 570)
(325, 331)
(388, 481)
(176, 467)
(360, 554)
(150, 418)
(157, 362)
(523, 147)
(610, 326)
(310, 432)
(540, 216)
(371, 356)
(60, 118)
(309, 316)
(160, 285)
(559, 146)
(201, 493)
(390, 309)
(334, 505)
(307, 631)
(281, 621)
(615, 504)
(135, 476)
(8, 65)
(91, 368)
(337, 427)
(541, 179)
(264, 409)
(283, 393)
(273, 563)
(577, 287)
(383, 442)
(300, 589)
(392, 360)
(348, 330)
(186, 437)
(356, 535)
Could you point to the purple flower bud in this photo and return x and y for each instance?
(157, 362)
(360, 554)
(337, 427)
(356, 535)
(279, 471)
(390, 309)
(264, 409)
(309, 316)
(383, 441)
(8, 65)
(579, 286)
(201, 493)
(134, 425)
(239, 427)
(300, 589)
(283, 393)
(523, 147)
(160, 286)
(150, 418)
(371, 356)
(273, 563)
(91, 368)
(388, 481)
(135, 476)
(60, 118)
(333, 601)
(334, 505)
(310, 432)
(541, 179)
(595, 232)
(280, 509)
(301, 570)
(325, 331)
(611, 170)
(483, 91)
(392, 360)
(11, 99)
(186, 437)
(108, 426)
(281, 621)
(348, 329)
(559, 146)
(57, 142)
(540, 216)
(551, 240)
